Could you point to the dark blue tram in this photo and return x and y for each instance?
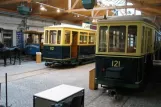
(33, 42)
(67, 44)
(125, 49)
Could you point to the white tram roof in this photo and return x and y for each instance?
(125, 18)
(70, 26)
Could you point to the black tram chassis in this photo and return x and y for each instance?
(121, 71)
(63, 54)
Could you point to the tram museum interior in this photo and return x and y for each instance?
(80, 53)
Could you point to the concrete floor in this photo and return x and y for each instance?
(30, 78)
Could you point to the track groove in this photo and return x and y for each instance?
(18, 76)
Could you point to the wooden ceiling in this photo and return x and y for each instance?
(70, 8)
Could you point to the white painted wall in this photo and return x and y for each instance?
(12, 23)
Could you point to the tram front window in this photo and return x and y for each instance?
(132, 39)
(35, 39)
(29, 39)
(117, 36)
(52, 37)
(103, 35)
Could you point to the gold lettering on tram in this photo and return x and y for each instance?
(115, 63)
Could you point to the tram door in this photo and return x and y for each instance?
(74, 47)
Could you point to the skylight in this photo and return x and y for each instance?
(119, 12)
(111, 2)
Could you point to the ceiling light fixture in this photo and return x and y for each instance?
(58, 10)
(94, 20)
(42, 8)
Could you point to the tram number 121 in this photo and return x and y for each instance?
(115, 63)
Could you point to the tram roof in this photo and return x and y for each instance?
(125, 18)
(69, 26)
(32, 32)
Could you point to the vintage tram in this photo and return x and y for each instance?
(33, 42)
(68, 44)
(125, 48)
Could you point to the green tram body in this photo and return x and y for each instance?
(66, 44)
(125, 48)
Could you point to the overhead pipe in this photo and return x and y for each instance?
(28, 17)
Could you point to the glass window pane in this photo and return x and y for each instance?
(35, 39)
(149, 47)
(83, 37)
(132, 36)
(91, 38)
(67, 37)
(52, 37)
(117, 36)
(46, 36)
(59, 37)
(103, 36)
(142, 40)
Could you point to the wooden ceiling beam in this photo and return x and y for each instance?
(151, 10)
(13, 1)
(96, 13)
(92, 13)
(61, 15)
(69, 4)
(109, 7)
(147, 3)
(6, 10)
(140, 2)
(75, 3)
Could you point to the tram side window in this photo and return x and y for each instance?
(117, 36)
(59, 37)
(149, 40)
(52, 37)
(132, 39)
(67, 37)
(91, 38)
(142, 39)
(103, 36)
(156, 41)
(46, 36)
(83, 37)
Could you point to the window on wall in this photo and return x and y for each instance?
(142, 39)
(46, 36)
(117, 36)
(103, 36)
(67, 37)
(59, 37)
(52, 37)
(83, 37)
(91, 38)
(132, 39)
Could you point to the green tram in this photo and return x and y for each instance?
(67, 44)
(125, 48)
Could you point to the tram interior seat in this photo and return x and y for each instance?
(131, 50)
(114, 50)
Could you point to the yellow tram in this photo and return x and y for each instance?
(68, 44)
(124, 51)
